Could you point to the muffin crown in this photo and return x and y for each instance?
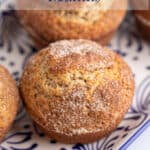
(66, 54)
(82, 47)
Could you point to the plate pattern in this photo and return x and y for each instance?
(16, 48)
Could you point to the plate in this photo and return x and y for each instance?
(16, 48)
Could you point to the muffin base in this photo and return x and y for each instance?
(4, 132)
(82, 138)
(104, 40)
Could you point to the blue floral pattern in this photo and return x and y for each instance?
(16, 48)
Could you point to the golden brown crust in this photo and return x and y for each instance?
(80, 103)
(8, 101)
(49, 26)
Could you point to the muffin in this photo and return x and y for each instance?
(142, 14)
(94, 23)
(76, 90)
(8, 101)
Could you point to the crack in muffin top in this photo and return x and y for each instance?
(62, 55)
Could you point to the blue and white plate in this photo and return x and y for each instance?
(133, 132)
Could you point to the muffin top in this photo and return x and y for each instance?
(87, 11)
(63, 5)
(76, 87)
(77, 54)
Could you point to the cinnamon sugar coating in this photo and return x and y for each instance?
(76, 90)
(8, 101)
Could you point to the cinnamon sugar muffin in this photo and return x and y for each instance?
(76, 90)
(8, 101)
(94, 23)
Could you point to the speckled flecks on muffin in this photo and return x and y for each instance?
(76, 90)
(94, 23)
(8, 101)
